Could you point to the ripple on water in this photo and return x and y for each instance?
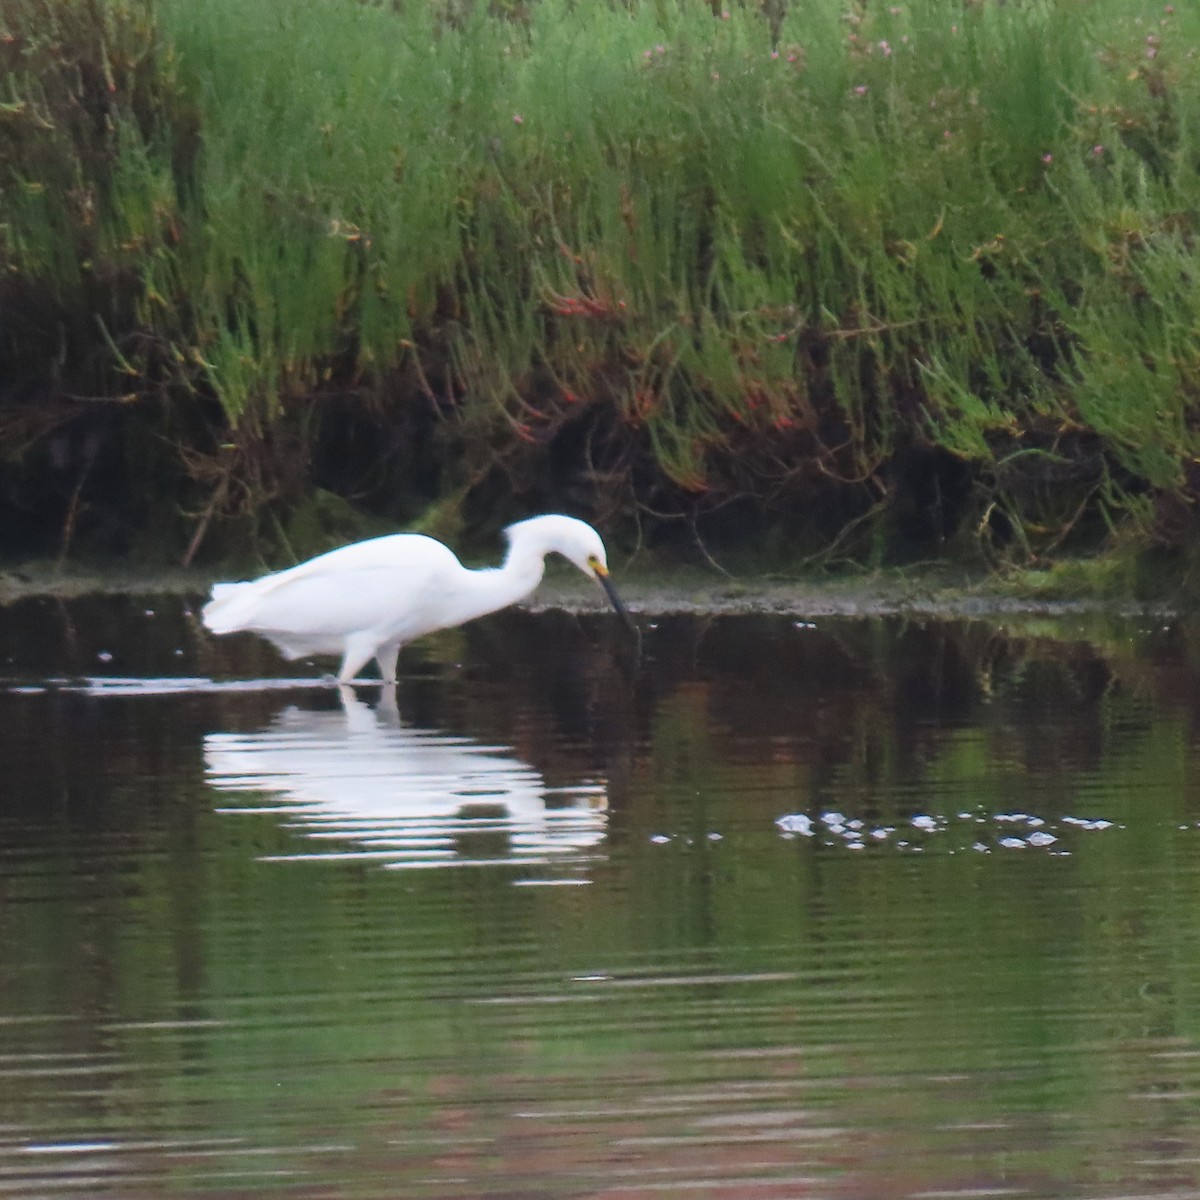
(652, 970)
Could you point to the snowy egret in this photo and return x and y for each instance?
(368, 599)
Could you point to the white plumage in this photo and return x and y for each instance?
(368, 599)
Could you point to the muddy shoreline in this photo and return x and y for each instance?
(934, 592)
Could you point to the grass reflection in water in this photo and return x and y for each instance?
(209, 982)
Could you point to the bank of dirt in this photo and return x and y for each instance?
(933, 592)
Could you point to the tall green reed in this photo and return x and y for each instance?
(87, 92)
(724, 258)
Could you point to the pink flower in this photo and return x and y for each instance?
(887, 50)
(725, 15)
(860, 89)
(1047, 158)
(518, 119)
(1097, 149)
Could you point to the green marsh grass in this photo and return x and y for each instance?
(668, 257)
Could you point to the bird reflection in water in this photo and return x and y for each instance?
(366, 785)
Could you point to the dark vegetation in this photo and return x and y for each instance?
(847, 282)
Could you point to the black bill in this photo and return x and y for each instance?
(615, 600)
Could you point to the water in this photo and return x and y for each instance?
(859, 909)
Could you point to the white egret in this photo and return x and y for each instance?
(368, 599)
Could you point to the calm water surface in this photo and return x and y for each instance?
(852, 909)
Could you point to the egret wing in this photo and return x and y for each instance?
(387, 584)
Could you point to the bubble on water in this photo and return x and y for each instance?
(1032, 831)
(795, 823)
(1083, 823)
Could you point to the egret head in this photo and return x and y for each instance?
(582, 546)
(577, 542)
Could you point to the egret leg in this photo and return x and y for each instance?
(356, 654)
(386, 657)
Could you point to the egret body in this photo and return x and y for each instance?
(368, 599)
